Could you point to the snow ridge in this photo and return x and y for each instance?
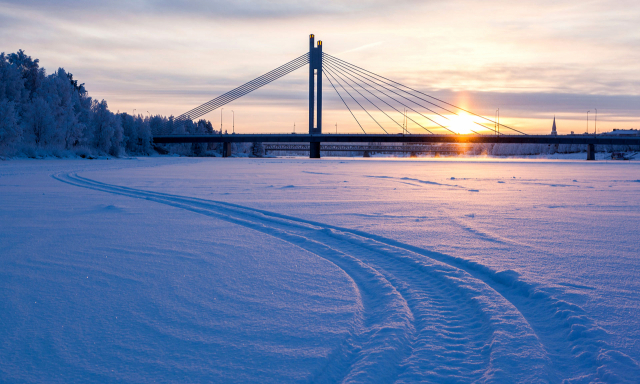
(429, 316)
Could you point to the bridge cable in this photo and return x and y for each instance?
(250, 86)
(227, 97)
(394, 108)
(382, 84)
(345, 81)
(377, 97)
(370, 82)
(377, 82)
(422, 93)
(391, 83)
(232, 95)
(246, 88)
(354, 99)
(345, 103)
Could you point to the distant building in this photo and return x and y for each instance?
(623, 132)
(553, 128)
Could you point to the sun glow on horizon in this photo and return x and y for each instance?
(461, 123)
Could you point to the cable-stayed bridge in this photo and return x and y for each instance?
(390, 105)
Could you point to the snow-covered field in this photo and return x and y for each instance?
(289, 270)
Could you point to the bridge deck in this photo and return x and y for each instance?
(361, 138)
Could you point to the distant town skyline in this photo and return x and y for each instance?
(532, 60)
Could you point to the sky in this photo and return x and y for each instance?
(533, 60)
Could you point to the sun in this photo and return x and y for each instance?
(461, 123)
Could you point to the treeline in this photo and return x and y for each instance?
(52, 115)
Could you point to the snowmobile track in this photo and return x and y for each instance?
(423, 316)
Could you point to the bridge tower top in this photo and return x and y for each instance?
(315, 86)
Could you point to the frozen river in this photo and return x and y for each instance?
(295, 270)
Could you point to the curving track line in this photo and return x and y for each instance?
(425, 316)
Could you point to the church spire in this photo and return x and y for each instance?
(553, 128)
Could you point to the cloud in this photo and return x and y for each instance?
(238, 9)
(529, 58)
(362, 47)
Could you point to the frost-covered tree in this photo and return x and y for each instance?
(12, 96)
(137, 136)
(39, 123)
(10, 130)
(145, 138)
(104, 126)
(44, 115)
(70, 126)
(29, 68)
(12, 86)
(257, 149)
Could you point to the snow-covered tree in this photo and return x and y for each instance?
(39, 123)
(107, 130)
(29, 68)
(10, 130)
(257, 149)
(47, 114)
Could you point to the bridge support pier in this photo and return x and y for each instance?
(591, 152)
(226, 149)
(314, 150)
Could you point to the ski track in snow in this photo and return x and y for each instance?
(483, 233)
(464, 224)
(427, 316)
(416, 180)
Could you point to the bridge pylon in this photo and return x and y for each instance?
(315, 94)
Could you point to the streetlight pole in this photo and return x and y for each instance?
(404, 122)
(588, 122)
(221, 109)
(595, 128)
(233, 121)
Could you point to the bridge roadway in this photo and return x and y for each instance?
(382, 138)
(590, 140)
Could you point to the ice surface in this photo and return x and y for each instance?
(287, 270)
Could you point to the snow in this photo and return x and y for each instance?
(287, 270)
